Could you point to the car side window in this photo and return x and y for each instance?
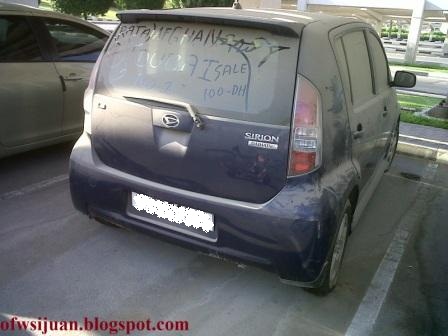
(358, 64)
(342, 64)
(75, 42)
(380, 68)
(17, 41)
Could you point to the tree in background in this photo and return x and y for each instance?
(82, 8)
(138, 4)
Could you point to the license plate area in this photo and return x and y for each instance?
(172, 216)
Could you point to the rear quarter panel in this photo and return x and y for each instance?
(318, 64)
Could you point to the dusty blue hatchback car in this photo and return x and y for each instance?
(257, 135)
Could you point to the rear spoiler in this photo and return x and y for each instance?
(271, 24)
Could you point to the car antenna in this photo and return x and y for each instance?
(237, 5)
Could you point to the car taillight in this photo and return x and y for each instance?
(88, 97)
(306, 139)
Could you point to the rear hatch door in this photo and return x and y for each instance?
(157, 75)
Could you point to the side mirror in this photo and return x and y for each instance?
(404, 79)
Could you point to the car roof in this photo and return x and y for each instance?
(292, 18)
(23, 9)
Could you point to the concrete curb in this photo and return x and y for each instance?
(420, 93)
(438, 75)
(435, 154)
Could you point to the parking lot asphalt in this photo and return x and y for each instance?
(57, 263)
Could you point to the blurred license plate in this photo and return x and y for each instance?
(175, 214)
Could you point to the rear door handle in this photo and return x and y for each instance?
(359, 131)
(385, 111)
(73, 77)
(358, 134)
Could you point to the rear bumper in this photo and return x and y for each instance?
(290, 234)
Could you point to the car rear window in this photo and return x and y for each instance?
(224, 71)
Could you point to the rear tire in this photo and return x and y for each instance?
(336, 256)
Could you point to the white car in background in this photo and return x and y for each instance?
(45, 64)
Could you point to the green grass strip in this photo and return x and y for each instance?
(414, 119)
(417, 102)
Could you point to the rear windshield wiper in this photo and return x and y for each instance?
(196, 119)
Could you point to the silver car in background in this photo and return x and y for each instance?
(45, 64)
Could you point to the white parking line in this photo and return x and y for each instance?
(424, 139)
(33, 187)
(370, 306)
(435, 186)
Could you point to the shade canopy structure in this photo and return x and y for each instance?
(376, 12)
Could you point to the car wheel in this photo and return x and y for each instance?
(335, 258)
(392, 149)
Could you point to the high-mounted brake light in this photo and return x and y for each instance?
(306, 138)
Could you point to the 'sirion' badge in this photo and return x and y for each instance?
(261, 140)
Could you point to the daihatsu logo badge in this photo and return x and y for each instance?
(170, 120)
